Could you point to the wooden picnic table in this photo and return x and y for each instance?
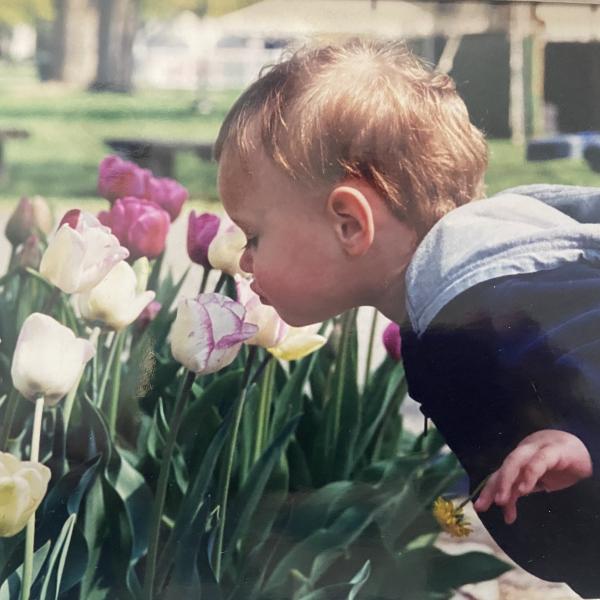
(8, 134)
(158, 155)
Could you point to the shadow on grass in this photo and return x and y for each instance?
(52, 178)
(108, 114)
(68, 179)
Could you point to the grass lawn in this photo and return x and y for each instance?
(67, 127)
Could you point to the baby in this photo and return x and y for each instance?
(357, 177)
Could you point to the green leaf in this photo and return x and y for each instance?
(426, 570)
(202, 418)
(415, 498)
(300, 476)
(184, 581)
(338, 536)
(11, 588)
(347, 590)
(378, 402)
(56, 564)
(334, 446)
(289, 401)
(128, 502)
(194, 499)
(247, 499)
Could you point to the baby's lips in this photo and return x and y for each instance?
(258, 292)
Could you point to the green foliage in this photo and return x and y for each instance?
(327, 494)
(13, 12)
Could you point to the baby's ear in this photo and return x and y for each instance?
(350, 214)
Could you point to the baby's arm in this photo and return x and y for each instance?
(547, 460)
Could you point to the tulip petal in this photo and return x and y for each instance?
(62, 262)
(20, 492)
(48, 359)
(298, 347)
(207, 332)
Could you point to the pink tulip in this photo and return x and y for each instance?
(167, 193)
(118, 178)
(202, 230)
(71, 218)
(139, 225)
(392, 341)
(148, 315)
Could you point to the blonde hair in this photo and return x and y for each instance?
(366, 109)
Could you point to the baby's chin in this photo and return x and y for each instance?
(302, 320)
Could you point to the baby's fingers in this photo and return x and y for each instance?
(510, 471)
(487, 494)
(510, 509)
(543, 461)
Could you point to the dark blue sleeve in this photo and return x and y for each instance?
(508, 357)
(535, 345)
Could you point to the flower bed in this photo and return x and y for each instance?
(206, 449)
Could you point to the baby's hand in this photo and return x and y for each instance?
(547, 460)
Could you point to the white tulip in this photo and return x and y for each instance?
(208, 332)
(115, 300)
(227, 247)
(23, 485)
(48, 359)
(299, 342)
(78, 258)
(271, 327)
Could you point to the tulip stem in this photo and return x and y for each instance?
(11, 260)
(239, 409)
(51, 301)
(163, 480)
(9, 415)
(370, 347)
(30, 532)
(116, 384)
(205, 275)
(94, 340)
(107, 371)
(266, 394)
(221, 282)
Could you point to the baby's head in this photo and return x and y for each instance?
(344, 149)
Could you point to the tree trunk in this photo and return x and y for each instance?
(519, 27)
(116, 32)
(70, 52)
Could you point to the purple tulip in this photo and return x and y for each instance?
(208, 332)
(392, 341)
(30, 254)
(20, 224)
(148, 315)
(167, 193)
(71, 218)
(139, 225)
(202, 230)
(118, 178)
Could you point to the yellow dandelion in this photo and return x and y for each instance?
(451, 519)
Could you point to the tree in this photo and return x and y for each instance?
(13, 12)
(71, 41)
(119, 20)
